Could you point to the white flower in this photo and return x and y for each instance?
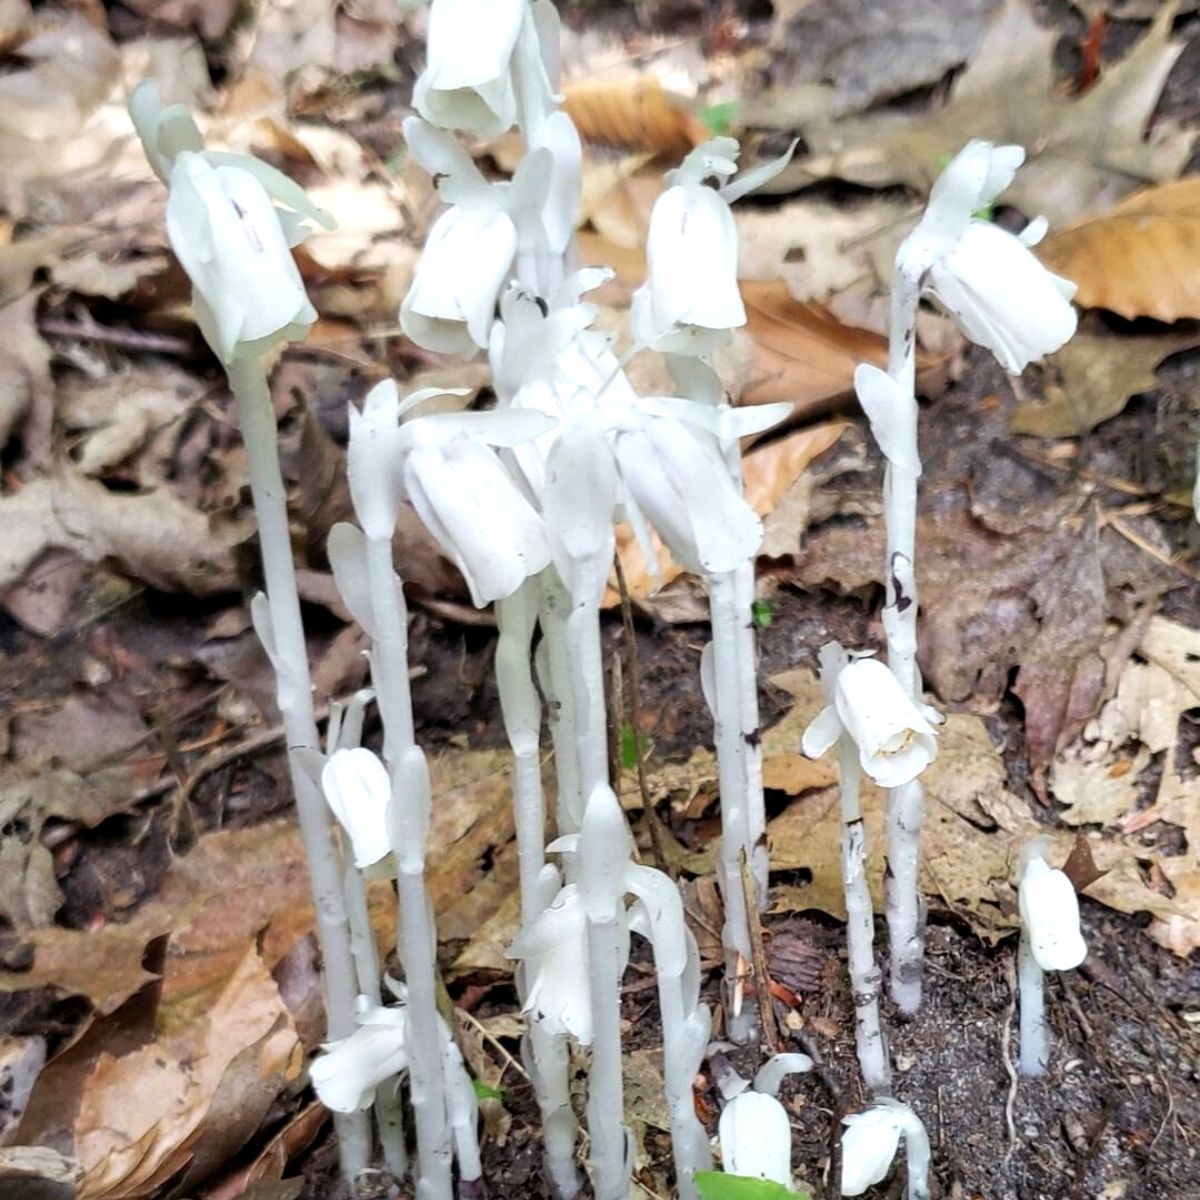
(467, 82)
(232, 221)
(895, 741)
(988, 279)
(370, 458)
(469, 253)
(679, 479)
(473, 509)
(690, 300)
(452, 301)
(554, 948)
(756, 1138)
(346, 1073)
(891, 410)
(357, 787)
(869, 1143)
(1050, 913)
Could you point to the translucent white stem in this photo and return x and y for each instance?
(732, 780)
(556, 684)
(293, 693)
(587, 674)
(388, 1108)
(860, 928)
(906, 805)
(521, 708)
(605, 1101)
(409, 814)
(916, 1153)
(547, 1056)
(1035, 1042)
(756, 813)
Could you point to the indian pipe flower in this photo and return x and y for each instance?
(358, 790)
(756, 1138)
(985, 277)
(1050, 912)
(232, 222)
(894, 738)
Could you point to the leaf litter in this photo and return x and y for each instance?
(124, 462)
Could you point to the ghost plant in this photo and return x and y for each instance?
(232, 221)
(1003, 299)
(1050, 941)
(869, 1144)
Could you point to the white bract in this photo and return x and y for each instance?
(756, 1138)
(895, 740)
(232, 221)
(347, 1073)
(357, 787)
(988, 279)
(444, 464)
(467, 82)
(1050, 913)
(554, 949)
(690, 300)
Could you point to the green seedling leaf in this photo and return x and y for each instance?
(716, 1185)
(762, 614)
(718, 118)
(633, 746)
(483, 1092)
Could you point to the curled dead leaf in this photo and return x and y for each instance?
(632, 110)
(1140, 258)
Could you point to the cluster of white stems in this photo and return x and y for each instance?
(523, 497)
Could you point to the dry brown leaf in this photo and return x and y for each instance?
(144, 1115)
(1091, 379)
(974, 830)
(1140, 258)
(633, 111)
(802, 353)
(154, 536)
(1084, 152)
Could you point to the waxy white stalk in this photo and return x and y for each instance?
(863, 700)
(1004, 300)
(604, 837)
(1050, 941)
(870, 1141)
(232, 239)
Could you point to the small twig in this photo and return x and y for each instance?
(1115, 523)
(1010, 1101)
(123, 339)
(762, 980)
(492, 1041)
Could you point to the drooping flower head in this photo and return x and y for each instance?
(232, 221)
(988, 279)
(1050, 913)
(866, 703)
(357, 788)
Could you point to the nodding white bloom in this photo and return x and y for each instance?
(232, 221)
(357, 787)
(1050, 914)
(866, 702)
(445, 465)
(678, 478)
(467, 82)
(756, 1138)
(346, 1073)
(690, 300)
(470, 250)
(869, 1144)
(988, 279)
